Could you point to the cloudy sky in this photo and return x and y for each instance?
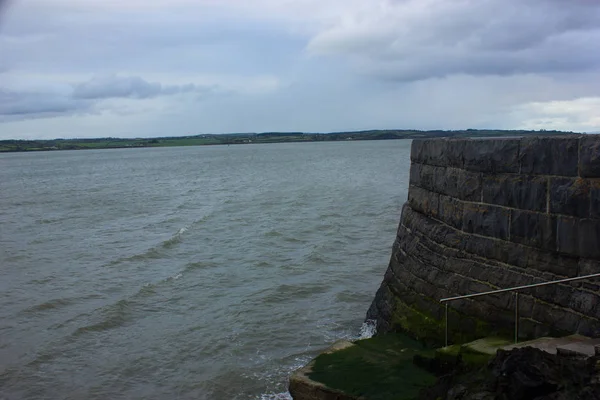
(131, 68)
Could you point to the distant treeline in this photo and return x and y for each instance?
(247, 138)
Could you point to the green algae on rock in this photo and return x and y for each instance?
(377, 368)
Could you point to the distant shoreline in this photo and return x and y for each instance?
(7, 146)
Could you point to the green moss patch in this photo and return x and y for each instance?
(376, 369)
(424, 326)
(473, 354)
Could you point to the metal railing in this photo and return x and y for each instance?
(512, 289)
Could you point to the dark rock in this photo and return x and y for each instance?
(550, 156)
(525, 373)
(570, 196)
(436, 365)
(589, 156)
(520, 374)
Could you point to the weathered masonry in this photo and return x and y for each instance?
(485, 214)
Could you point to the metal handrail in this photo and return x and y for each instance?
(512, 289)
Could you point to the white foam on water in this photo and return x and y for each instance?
(276, 396)
(175, 277)
(368, 329)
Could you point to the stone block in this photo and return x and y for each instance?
(451, 211)
(533, 229)
(589, 267)
(589, 327)
(486, 220)
(567, 235)
(517, 191)
(416, 150)
(426, 177)
(549, 155)
(570, 196)
(458, 183)
(415, 174)
(489, 248)
(557, 294)
(583, 302)
(556, 317)
(589, 238)
(423, 201)
(454, 152)
(551, 264)
(429, 151)
(526, 303)
(595, 198)
(468, 185)
(491, 155)
(589, 156)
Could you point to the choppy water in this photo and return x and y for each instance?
(188, 273)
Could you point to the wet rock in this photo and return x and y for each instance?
(521, 374)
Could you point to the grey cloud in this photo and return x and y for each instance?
(18, 105)
(113, 86)
(86, 97)
(474, 37)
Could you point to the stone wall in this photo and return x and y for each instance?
(484, 214)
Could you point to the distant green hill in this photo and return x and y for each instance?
(248, 138)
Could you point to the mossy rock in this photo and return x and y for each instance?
(376, 369)
(473, 354)
(428, 329)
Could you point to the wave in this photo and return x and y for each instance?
(154, 252)
(113, 316)
(58, 303)
(120, 313)
(286, 292)
(49, 220)
(368, 329)
(273, 233)
(196, 265)
(173, 240)
(49, 305)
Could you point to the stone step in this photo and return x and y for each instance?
(568, 346)
(586, 348)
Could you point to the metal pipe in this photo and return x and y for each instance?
(446, 324)
(516, 317)
(577, 278)
(448, 299)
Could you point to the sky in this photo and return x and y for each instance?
(146, 68)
